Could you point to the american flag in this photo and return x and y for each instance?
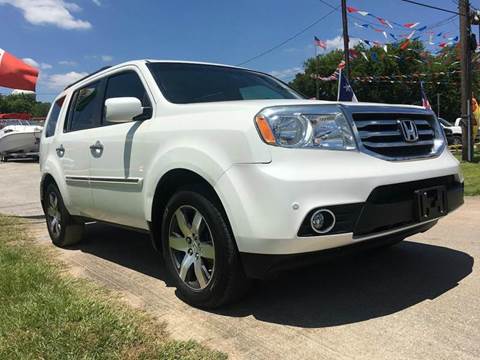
(320, 43)
(425, 102)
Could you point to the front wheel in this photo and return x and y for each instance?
(63, 229)
(199, 251)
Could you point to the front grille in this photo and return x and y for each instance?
(380, 133)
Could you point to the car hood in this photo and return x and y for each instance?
(252, 107)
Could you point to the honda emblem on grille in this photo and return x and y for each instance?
(409, 130)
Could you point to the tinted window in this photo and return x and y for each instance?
(86, 107)
(444, 122)
(128, 84)
(53, 117)
(194, 83)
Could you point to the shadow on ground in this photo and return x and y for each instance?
(342, 291)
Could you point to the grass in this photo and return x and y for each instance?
(471, 172)
(46, 314)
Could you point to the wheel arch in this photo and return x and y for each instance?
(169, 183)
(46, 180)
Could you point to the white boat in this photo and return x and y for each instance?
(19, 137)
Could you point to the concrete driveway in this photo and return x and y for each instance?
(418, 300)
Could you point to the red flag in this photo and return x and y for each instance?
(405, 44)
(15, 74)
(425, 102)
(351, 9)
(410, 25)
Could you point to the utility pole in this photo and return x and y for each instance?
(346, 51)
(438, 104)
(317, 85)
(466, 78)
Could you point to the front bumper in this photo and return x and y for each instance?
(267, 203)
(260, 266)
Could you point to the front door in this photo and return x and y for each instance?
(117, 161)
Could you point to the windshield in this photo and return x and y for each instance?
(183, 83)
(444, 122)
(7, 122)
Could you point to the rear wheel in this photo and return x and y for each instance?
(199, 251)
(457, 140)
(63, 229)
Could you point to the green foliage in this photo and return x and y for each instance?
(398, 62)
(48, 315)
(23, 103)
(471, 173)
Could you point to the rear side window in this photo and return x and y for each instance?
(127, 84)
(85, 108)
(53, 117)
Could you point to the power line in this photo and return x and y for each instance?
(431, 7)
(289, 39)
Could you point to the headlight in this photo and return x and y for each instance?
(322, 126)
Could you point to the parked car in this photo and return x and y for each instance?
(236, 175)
(458, 124)
(456, 131)
(449, 135)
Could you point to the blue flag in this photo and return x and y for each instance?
(345, 91)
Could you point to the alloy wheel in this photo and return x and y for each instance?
(54, 217)
(191, 247)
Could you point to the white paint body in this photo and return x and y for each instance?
(257, 183)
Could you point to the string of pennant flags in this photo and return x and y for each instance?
(410, 78)
(401, 36)
(388, 28)
(388, 78)
(377, 44)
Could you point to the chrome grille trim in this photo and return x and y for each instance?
(378, 134)
(397, 144)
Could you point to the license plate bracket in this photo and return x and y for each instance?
(431, 203)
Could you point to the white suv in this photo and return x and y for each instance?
(236, 175)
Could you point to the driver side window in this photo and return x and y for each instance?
(126, 84)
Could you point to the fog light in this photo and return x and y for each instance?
(322, 221)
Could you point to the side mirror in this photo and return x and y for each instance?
(122, 109)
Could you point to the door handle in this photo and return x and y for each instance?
(97, 146)
(96, 149)
(60, 151)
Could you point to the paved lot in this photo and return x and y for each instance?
(418, 300)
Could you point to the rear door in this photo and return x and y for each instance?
(117, 165)
(72, 146)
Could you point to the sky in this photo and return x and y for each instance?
(68, 39)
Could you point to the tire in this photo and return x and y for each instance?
(63, 229)
(457, 140)
(199, 251)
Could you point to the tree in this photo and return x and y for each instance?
(23, 103)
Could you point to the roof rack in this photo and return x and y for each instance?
(86, 77)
